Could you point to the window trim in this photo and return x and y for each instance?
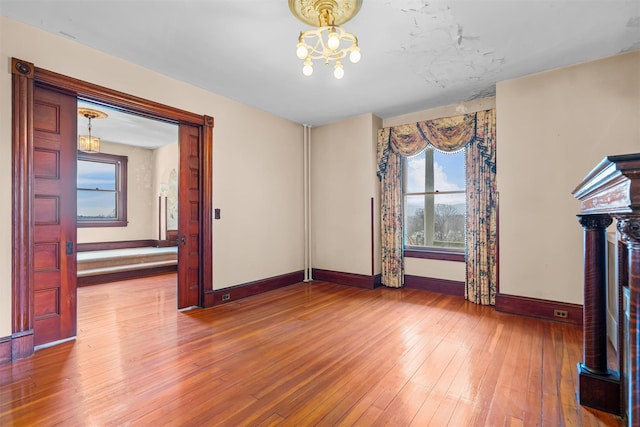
(120, 163)
(428, 252)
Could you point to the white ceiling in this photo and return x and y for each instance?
(416, 54)
(128, 129)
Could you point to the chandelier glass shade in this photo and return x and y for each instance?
(89, 143)
(329, 42)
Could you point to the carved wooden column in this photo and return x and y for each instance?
(629, 228)
(611, 189)
(22, 240)
(598, 387)
(595, 293)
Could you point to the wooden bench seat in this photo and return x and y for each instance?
(116, 264)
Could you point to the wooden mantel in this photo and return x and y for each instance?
(611, 191)
(611, 187)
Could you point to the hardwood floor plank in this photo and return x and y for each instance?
(462, 415)
(534, 368)
(488, 401)
(503, 406)
(404, 407)
(309, 354)
(551, 414)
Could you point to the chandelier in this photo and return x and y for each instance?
(89, 143)
(329, 42)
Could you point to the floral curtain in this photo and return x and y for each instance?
(476, 132)
(390, 174)
(482, 202)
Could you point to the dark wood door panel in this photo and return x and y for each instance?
(47, 116)
(189, 208)
(47, 210)
(54, 213)
(47, 303)
(46, 164)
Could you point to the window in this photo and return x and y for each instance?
(434, 187)
(101, 190)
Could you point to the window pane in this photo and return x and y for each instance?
(415, 173)
(414, 225)
(436, 220)
(96, 205)
(449, 171)
(96, 175)
(435, 171)
(449, 220)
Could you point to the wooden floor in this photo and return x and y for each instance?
(308, 354)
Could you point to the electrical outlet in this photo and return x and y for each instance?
(227, 297)
(563, 314)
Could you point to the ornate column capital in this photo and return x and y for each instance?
(629, 228)
(595, 222)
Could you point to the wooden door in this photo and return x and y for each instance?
(189, 216)
(54, 216)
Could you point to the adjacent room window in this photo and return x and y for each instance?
(434, 187)
(102, 190)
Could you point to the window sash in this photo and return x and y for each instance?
(97, 174)
(452, 252)
(435, 193)
(119, 219)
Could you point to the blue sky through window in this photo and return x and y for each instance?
(93, 176)
(96, 175)
(449, 172)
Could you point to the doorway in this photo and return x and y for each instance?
(127, 195)
(195, 140)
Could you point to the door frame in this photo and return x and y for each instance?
(25, 76)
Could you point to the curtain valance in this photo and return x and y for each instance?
(447, 134)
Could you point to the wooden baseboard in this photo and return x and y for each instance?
(165, 243)
(540, 308)
(22, 345)
(377, 280)
(125, 244)
(233, 293)
(441, 286)
(125, 275)
(5, 350)
(349, 279)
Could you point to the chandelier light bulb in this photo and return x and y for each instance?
(338, 70)
(328, 42)
(333, 41)
(307, 69)
(301, 51)
(355, 56)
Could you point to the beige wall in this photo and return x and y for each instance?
(165, 159)
(257, 184)
(449, 270)
(552, 129)
(257, 160)
(479, 104)
(343, 180)
(376, 124)
(140, 201)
